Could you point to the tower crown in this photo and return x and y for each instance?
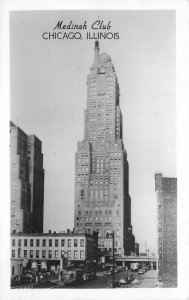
(104, 57)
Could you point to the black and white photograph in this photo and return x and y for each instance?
(93, 152)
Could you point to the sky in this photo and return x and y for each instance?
(48, 95)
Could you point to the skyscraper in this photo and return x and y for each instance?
(102, 200)
(27, 182)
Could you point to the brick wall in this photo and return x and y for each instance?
(166, 190)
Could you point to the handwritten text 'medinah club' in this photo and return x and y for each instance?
(98, 25)
(97, 30)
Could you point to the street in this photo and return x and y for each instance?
(147, 281)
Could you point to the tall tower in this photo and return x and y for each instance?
(102, 200)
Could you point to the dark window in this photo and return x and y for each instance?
(50, 253)
(31, 242)
(43, 253)
(13, 253)
(25, 242)
(75, 243)
(62, 253)
(37, 243)
(13, 268)
(44, 243)
(19, 242)
(62, 243)
(37, 253)
(50, 243)
(25, 253)
(56, 243)
(31, 253)
(13, 242)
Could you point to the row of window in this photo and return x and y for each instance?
(49, 254)
(30, 242)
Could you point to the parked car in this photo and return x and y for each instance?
(109, 272)
(130, 277)
(26, 278)
(145, 268)
(141, 271)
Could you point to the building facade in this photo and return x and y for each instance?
(52, 247)
(166, 194)
(27, 181)
(102, 201)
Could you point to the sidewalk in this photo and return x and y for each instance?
(148, 280)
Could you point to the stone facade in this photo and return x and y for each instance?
(166, 192)
(102, 201)
(53, 247)
(27, 181)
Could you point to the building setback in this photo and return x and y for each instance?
(166, 193)
(27, 182)
(102, 201)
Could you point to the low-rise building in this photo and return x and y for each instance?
(72, 248)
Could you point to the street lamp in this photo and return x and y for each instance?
(148, 256)
(19, 265)
(62, 259)
(112, 235)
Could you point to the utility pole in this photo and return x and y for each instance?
(113, 259)
(19, 267)
(113, 274)
(148, 256)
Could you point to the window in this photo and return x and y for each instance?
(82, 243)
(62, 253)
(31, 242)
(69, 243)
(56, 243)
(13, 242)
(50, 243)
(25, 253)
(62, 243)
(56, 254)
(43, 254)
(50, 253)
(25, 242)
(37, 253)
(75, 254)
(37, 243)
(44, 243)
(117, 232)
(13, 268)
(13, 253)
(82, 254)
(31, 253)
(19, 242)
(69, 254)
(75, 243)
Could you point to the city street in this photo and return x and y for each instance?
(147, 281)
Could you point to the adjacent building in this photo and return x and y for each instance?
(102, 201)
(56, 249)
(137, 249)
(166, 193)
(27, 181)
